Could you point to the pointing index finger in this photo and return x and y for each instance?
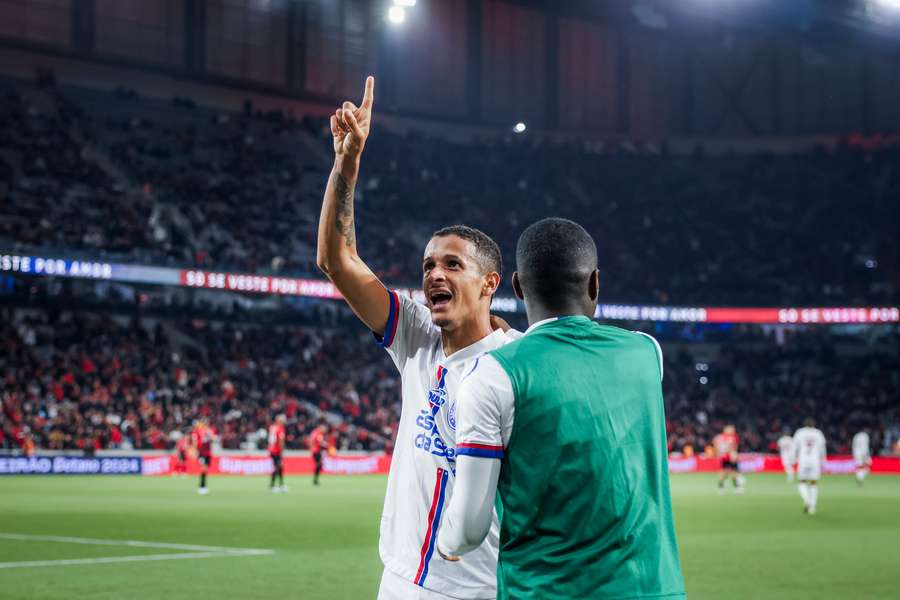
(369, 94)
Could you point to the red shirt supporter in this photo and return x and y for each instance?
(727, 445)
(202, 437)
(292, 407)
(87, 365)
(316, 440)
(276, 438)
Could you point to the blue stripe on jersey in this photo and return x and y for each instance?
(436, 523)
(390, 328)
(480, 452)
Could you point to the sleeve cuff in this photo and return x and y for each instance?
(480, 450)
(390, 329)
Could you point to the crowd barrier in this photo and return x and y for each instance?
(353, 464)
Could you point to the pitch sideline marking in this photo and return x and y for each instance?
(197, 551)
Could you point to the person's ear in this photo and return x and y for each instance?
(517, 287)
(594, 285)
(491, 284)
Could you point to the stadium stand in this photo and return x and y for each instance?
(169, 183)
(90, 381)
(178, 184)
(81, 380)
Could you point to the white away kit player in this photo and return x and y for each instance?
(786, 452)
(809, 456)
(861, 456)
(432, 346)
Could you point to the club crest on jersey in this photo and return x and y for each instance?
(451, 416)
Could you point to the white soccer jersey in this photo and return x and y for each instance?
(809, 452)
(786, 449)
(861, 447)
(423, 465)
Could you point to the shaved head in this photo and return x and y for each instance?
(555, 262)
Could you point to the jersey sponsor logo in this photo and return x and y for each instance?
(437, 397)
(430, 440)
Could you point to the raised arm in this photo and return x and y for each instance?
(337, 256)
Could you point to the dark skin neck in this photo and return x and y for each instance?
(583, 304)
(538, 312)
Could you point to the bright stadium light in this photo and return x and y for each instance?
(519, 127)
(405, 3)
(396, 15)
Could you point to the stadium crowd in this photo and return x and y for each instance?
(767, 390)
(178, 184)
(76, 380)
(88, 382)
(112, 174)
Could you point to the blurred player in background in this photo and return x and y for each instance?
(786, 450)
(202, 438)
(862, 456)
(809, 456)
(316, 443)
(182, 449)
(276, 452)
(726, 445)
(432, 346)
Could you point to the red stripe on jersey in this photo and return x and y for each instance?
(434, 503)
(479, 446)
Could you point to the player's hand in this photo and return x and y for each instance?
(350, 125)
(449, 557)
(499, 323)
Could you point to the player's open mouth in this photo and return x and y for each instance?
(440, 298)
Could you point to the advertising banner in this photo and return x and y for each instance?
(771, 463)
(47, 266)
(354, 464)
(70, 465)
(262, 465)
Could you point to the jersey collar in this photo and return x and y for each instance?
(483, 345)
(552, 319)
(539, 323)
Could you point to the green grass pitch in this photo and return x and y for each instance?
(325, 540)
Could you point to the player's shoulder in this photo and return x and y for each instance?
(409, 304)
(408, 313)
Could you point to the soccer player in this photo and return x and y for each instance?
(726, 445)
(202, 437)
(276, 451)
(316, 441)
(182, 447)
(568, 425)
(862, 456)
(432, 346)
(809, 456)
(786, 450)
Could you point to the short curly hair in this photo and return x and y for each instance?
(487, 252)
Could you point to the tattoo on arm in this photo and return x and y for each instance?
(343, 220)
